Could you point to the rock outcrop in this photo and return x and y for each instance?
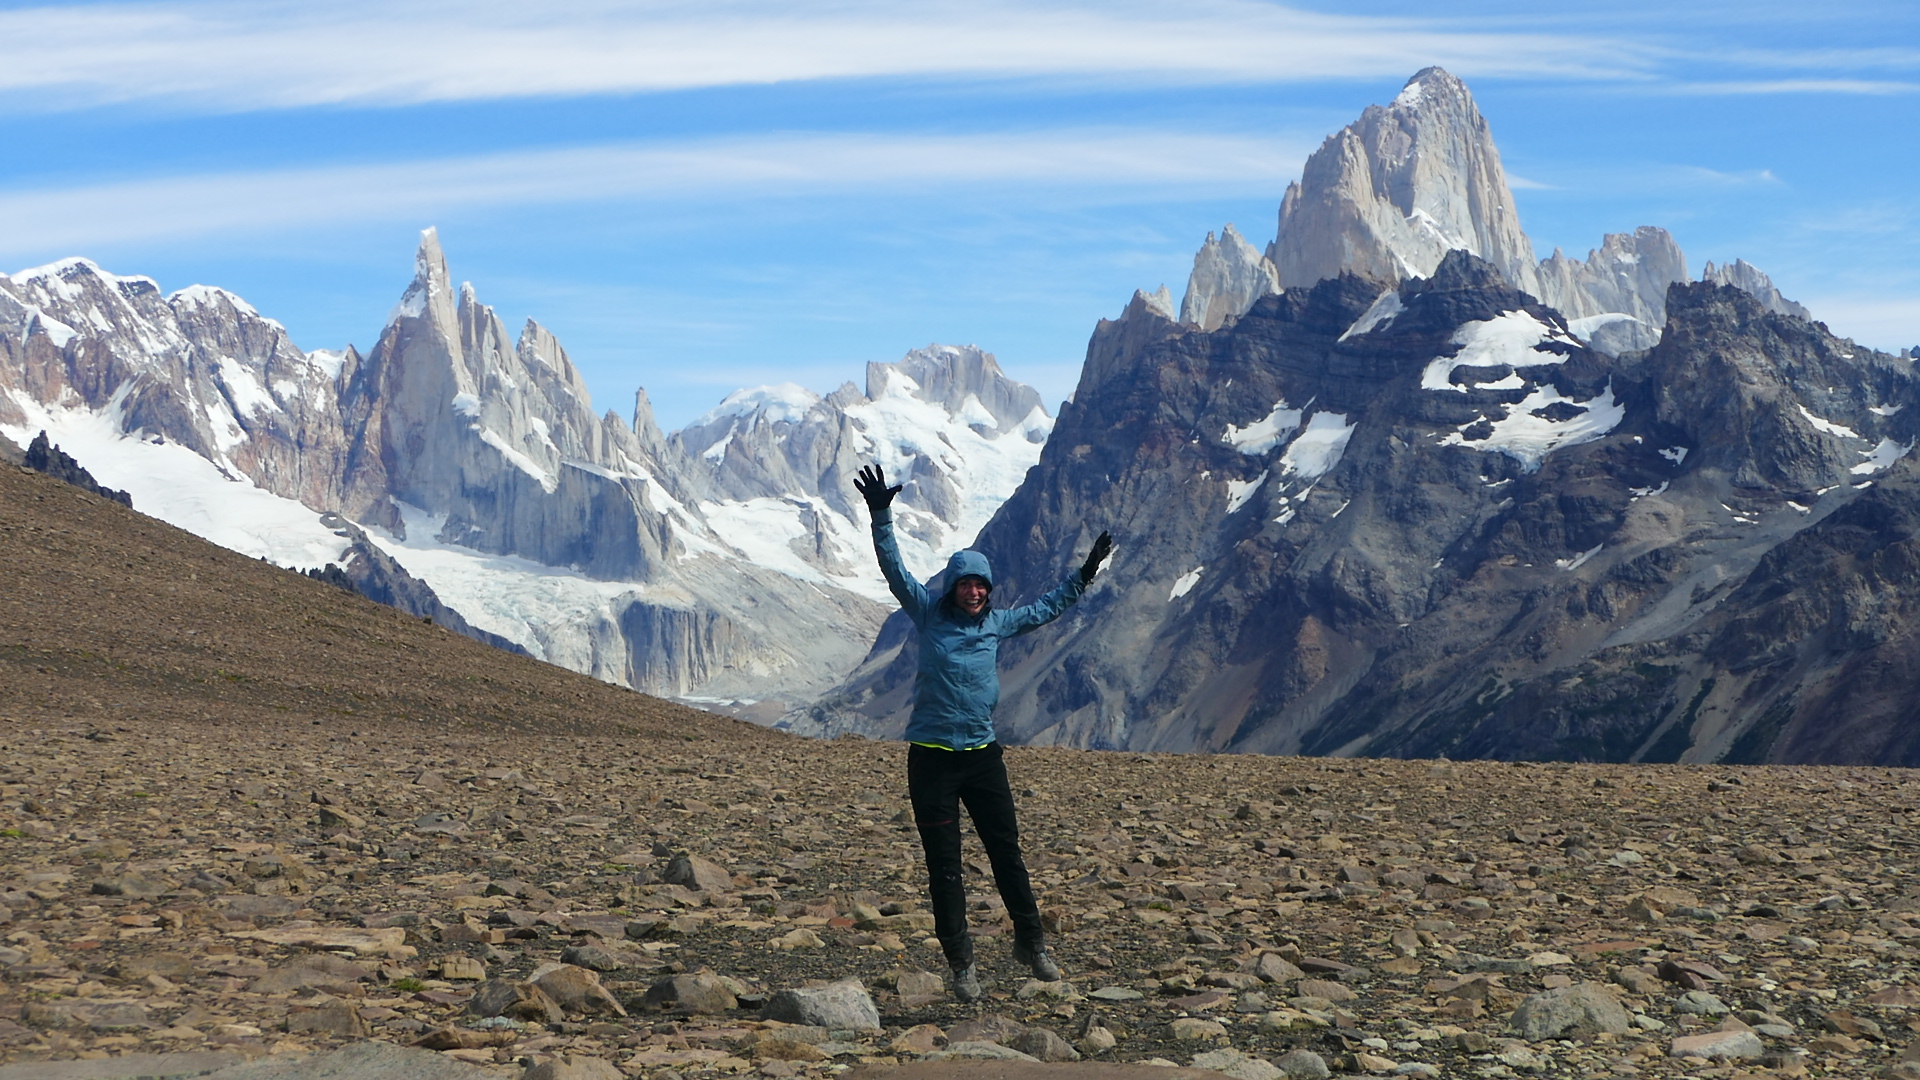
(1742, 274)
(1229, 274)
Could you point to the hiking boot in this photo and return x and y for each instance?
(966, 984)
(1037, 958)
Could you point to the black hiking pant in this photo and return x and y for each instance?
(938, 782)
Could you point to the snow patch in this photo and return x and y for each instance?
(59, 332)
(209, 296)
(548, 482)
(1880, 457)
(1511, 338)
(1379, 314)
(183, 489)
(1884, 410)
(1579, 560)
(1675, 454)
(786, 402)
(1828, 426)
(1261, 436)
(1239, 491)
(1318, 448)
(1184, 584)
(328, 361)
(244, 388)
(1528, 439)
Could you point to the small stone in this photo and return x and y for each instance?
(578, 990)
(1718, 1045)
(574, 1067)
(462, 969)
(1238, 1065)
(1116, 993)
(1275, 967)
(695, 993)
(1700, 1003)
(799, 938)
(335, 818)
(329, 1016)
(984, 1051)
(919, 1039)
(697, 873)
(1302, 1064)
(918, 988)
(132, 886)
(1097, 1040)
(599, 957)
(313, 971)
(992, 1027)
(780, 1049)
(519, 1000)
(1321, 988)
(1195, 1029)
(1044, 1045)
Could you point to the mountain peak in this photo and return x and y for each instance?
(430, 278)
(1431, 84)
(1390, 194)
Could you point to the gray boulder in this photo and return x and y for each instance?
(1575, 1011)
(845, 1004)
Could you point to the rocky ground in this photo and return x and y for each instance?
(187, 887)
(245, 813)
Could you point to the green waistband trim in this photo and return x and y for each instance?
(952, 749)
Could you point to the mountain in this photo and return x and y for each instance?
(1389, 195)
(710, 563)
(1427, 520)
(1394, 488)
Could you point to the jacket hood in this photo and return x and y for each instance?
(968, 564)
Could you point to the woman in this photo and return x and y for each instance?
(952, 756)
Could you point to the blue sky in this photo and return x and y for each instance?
(700, 196)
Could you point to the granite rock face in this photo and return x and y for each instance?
(1390, 194)
(1429, 520)
(1229, 274)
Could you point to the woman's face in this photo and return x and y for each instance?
(971, 594)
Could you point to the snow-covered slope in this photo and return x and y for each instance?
(722, 562)
(944, 421)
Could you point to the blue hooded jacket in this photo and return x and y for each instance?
(958, 683)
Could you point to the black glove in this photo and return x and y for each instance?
(1102, 548)
(872, 486)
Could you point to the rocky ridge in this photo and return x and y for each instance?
(1428, 520)
(474, 460)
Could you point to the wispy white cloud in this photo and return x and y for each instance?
(1701, 176)
(1521, 183)
(1088, 164)
(239, 55)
